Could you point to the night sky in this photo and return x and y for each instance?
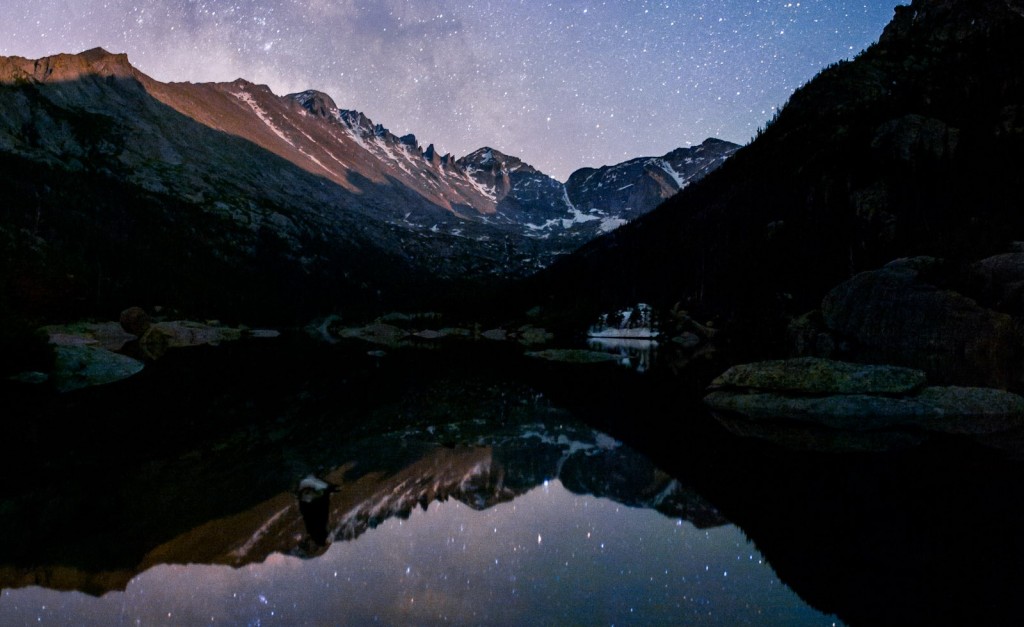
(561, 84)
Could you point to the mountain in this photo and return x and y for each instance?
(227, 200)
(913, 148)
(628, 190)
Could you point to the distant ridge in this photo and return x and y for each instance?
(291, 191)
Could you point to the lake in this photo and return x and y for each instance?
(287, 482)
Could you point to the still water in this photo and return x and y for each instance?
(548, 557)
(289, 483)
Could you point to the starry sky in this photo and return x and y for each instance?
(560, 84)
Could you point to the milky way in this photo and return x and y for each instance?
(562, 85)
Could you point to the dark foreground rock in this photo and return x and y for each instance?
(162, 336)
(811, 375)
(901, 314)
(88, 353)
(831, 405)
(84, 366)
(976, 411)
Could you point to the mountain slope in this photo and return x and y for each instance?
(225, 198)
(913, 148)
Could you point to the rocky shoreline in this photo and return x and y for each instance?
(807, 401)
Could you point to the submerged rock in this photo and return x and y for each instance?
(29, 377)
(162, 336)
(377, 333)
(498, 335)
(803, 436)
(533, 335)
(573, 356)
(939, 409)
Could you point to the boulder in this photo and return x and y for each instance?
(824, 405)
(108, 335)
(808, 336)
(376, 333)
(79, 367)
(429, 334)
(816, 376)
(1000, 280)
(894, 315)
(687, 340)
(135, 320)
(162, 336)
(533, 335)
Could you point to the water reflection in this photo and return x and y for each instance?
(638, 354)
(460, 500)
(199, 462)
(547, 557)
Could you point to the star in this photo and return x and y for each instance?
(466, 75)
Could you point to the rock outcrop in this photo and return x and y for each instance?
(83, 366)
(910, 313)
(181, 333)
(812, 375)
(826, 397)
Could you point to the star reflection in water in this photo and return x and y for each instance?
(549, 556)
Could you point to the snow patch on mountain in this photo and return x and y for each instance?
(262, 115)
(667, 167)
(610, 224)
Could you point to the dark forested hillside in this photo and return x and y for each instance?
(913, 148)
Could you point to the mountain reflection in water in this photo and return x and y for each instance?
(181, 483)
(547, 557)
(460, 493)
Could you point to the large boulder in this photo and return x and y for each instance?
(830, 405)
(896, 315)
(135, 320)
(1000, 281)
(84, 366)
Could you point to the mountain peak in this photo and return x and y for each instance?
(98, 54)
(951, 20)
(488, 158)
(66, 67)
(316, 102)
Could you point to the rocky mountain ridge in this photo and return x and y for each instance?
(231, 171)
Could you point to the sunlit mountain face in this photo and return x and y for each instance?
(562, 87)
(314, 202)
